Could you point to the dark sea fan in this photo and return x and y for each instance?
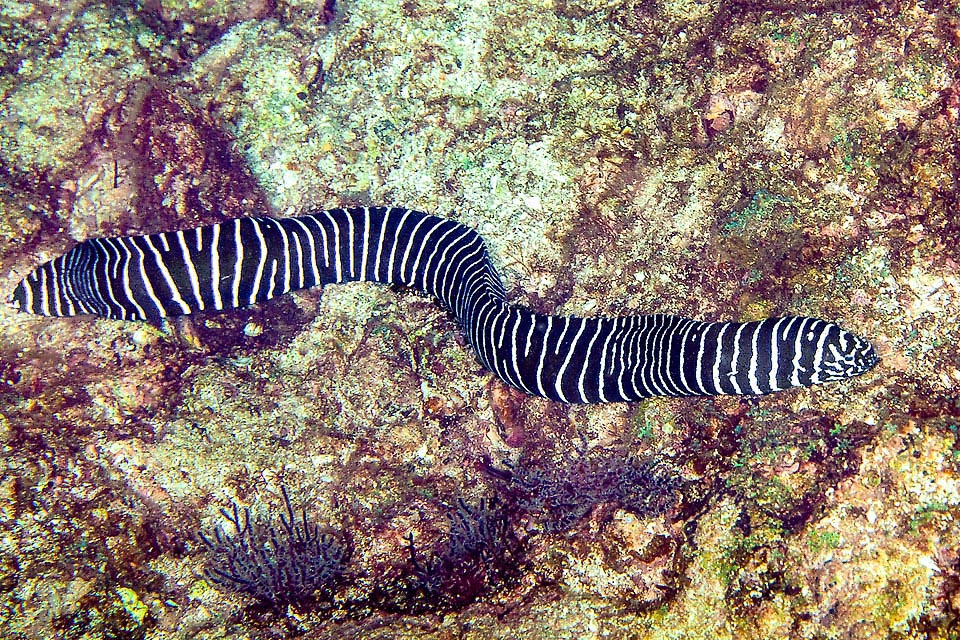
(480, 554)
(560, 495)
(290, 564)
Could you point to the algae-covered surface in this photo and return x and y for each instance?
(719, 160)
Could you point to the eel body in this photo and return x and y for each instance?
(565, 358)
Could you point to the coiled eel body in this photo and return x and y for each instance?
(565, 358)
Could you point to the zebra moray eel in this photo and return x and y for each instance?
(565, 358)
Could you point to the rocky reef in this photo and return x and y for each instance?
(718, 160)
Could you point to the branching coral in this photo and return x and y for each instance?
(293, 564)
(560, 495)
(481, 553)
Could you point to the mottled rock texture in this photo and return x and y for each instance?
(721, 160)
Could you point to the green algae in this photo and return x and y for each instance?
(132, 604)
(762, 204)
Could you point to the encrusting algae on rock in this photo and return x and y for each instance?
(717, 161)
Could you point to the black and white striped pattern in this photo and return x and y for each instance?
(565, 358)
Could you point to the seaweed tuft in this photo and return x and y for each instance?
(561, 495)
(480, 554)
(290, 564)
